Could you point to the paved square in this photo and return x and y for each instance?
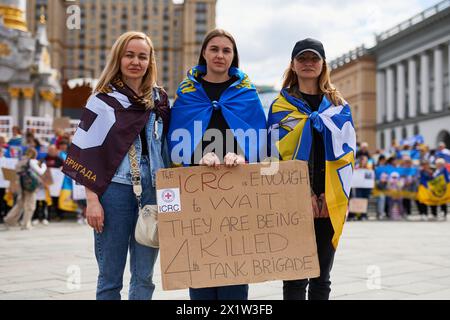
(375, 260)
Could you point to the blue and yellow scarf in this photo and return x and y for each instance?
(294, 120)
(240, 106)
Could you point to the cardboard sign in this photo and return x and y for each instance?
(78, 191)
(358, 205)
(235, 226)
(46, 178)
(9, 163)
(57, 178)
(61, 123)
(73, 127)
(13, 178)
(363, 178)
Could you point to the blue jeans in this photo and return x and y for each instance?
(111, 246)
(236, 292)
(381, 205)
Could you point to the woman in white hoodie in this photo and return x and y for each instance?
(26, 199)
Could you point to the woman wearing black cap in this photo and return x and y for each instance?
(314, 124)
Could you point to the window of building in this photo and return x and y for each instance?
(201, 7)
(201, 28)
(404, 133)
(199, 36)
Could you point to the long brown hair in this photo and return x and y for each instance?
(219, 33)
(290, 80)
(112, 68)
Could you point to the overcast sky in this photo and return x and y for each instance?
(266, 30)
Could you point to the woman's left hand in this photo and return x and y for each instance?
(232, 159)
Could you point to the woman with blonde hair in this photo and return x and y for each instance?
(115, 153)
(314, 124)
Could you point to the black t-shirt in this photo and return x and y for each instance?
(214, 91)
(144, 143)
(316, 160)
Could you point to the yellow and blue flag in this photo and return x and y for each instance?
(65, 201)
(435, 190)
(295, 121)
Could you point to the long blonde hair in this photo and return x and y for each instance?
(112, 68)
(290, 80)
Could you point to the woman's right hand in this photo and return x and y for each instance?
(210, 159)
(95, 215)
(315, 206)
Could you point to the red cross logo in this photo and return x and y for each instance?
(168, 196)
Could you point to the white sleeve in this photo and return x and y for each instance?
(40, 170)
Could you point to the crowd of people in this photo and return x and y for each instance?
(34, 157)
(402, 178)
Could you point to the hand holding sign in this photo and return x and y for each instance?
(233, 225)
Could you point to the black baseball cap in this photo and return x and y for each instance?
(308, 44)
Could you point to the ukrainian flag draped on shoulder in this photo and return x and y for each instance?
(435, 190)
(240, 106)
(294, 120)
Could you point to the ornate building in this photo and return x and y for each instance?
(354, 76)
(28, 84)
(407, 73)
(413, 78)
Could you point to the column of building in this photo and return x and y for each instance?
(401, 91)
(381, 103)
(14, 94)
(448, 71)
(412, 87)
(438, 79)
(28, 94)
(46, 106)
(424, 83)
(57, 104)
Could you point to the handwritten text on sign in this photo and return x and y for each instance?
(233, 225)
